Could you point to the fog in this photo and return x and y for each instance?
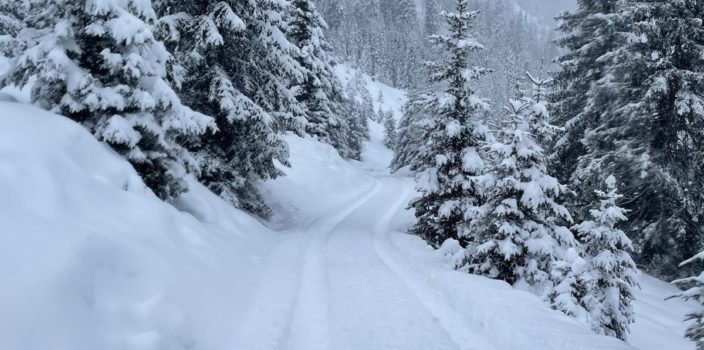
(547, 9)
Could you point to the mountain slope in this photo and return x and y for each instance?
(89, 259)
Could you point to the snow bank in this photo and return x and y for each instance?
(659, 323)
(90, 259)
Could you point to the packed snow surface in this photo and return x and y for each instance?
(90, 259)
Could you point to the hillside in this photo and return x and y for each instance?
(94, 260)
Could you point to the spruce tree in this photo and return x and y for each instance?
(693, 290)
(584, 87)
(380, 100)
(99, 64)
(450, 166)
(379, 116)
(318, 89)
(409, 137)
(523, 233)
(431, 13)
(390, 131)
(354, 132)
(610, 268)
(238, 66)
(12, 13)
(651, 135)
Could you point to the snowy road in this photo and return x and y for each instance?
(347, 253)
(344, 276)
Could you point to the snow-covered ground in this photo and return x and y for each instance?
(659, 323)
(89, 259)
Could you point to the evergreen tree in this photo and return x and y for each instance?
(356, 108)
(571, 290)
(12, 13)
(405, 13)
(379, 116)
(431, 12)
(450, 166)
(318, 90)
(610, 268)
(238, 66)
(522, 235)
(409, 134)
(693, 291)
(99, 64)
(333, 12)
(355, 131)
(390, 131)
(584, 86)
(651, 136)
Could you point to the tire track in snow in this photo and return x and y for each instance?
(289, 310)
(309, 329)
(433, 300)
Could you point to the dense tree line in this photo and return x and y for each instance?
(630, 97)
(185, 87)
(609, 163)
(387, 39)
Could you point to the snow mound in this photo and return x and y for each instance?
(91, 259)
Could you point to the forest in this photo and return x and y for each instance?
(554, 146)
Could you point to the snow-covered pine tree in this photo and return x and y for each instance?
(651, 135)
(357, 90)
(354, 131)
(572, 286)
(98, 63)
(390, 131)
(379, 116)
(584, 87)
(522, 235)
(318, 90)
(238, 64)
(611, 270)
(356, 128)
(403, 12)
(431, 11)
(450, 166)
(12, 13)
(693, 290)
(409, 137)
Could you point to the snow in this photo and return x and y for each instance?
(659, 323)
(394, 99)
(90, 259)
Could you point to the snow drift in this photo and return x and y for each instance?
(90, 259)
